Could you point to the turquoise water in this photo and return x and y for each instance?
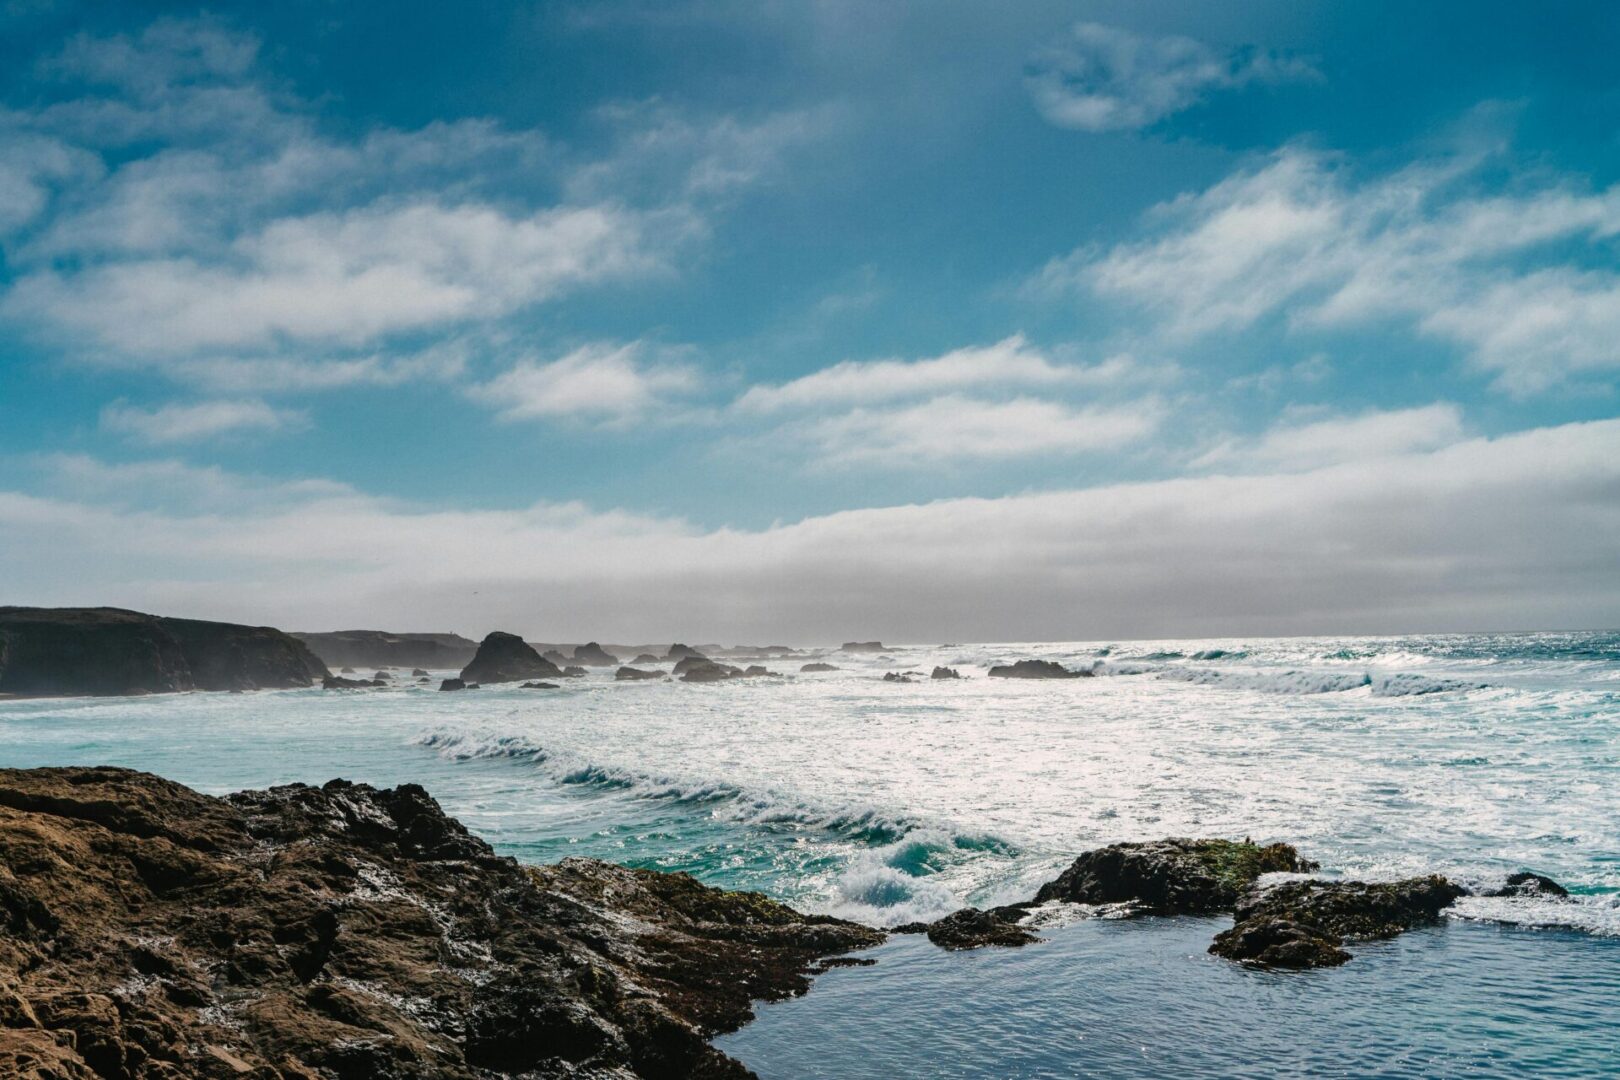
(1470, 755)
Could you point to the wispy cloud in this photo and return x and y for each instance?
(611, 384)
(1300, 446)
(189, 421)
(1102, 78)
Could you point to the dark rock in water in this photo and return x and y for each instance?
(1036, 669)
(861, 646)
(556, 657)
(424, 679)
(945, 673)
(338, 682)
(53, 652)
(818, 667)
(631, 674)
(1302, 923)
(346, 932)
(573, 671)
(348, 671)
(539, 686)
(678, 651)
(593, 655)
(1525, 883)
(646, 658)
(417, 673)
(453, 684)
(755, 671)
(1176, 876)
(971, 928)
(381, 676)
(687, 663)
(895, 676)
(507, 658)
(380, 648)
(706, 671)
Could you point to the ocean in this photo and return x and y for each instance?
(1470, 755)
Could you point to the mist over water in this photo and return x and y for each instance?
(1470, 755)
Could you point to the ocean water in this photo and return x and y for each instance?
(1470, 755)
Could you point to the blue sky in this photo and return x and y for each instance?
(945, 320)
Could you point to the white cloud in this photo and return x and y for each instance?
(1009, 363)
(954, 428)
(606, 383)
(1519, 531)
(1102, 78)
(186, 422)
(1298, 236)
(1298, 447)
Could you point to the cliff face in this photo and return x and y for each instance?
(107, 651)
(348, 932)
(379, 648)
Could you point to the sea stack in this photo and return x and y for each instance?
(504, 657)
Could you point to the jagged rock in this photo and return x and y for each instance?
(539, 686)
(574, 672)
(895, 676)
(507, 658)
(630, 674)
(971, 928)
(705, 671)
(380, 648)
(1175, 876)
(418, 673)
(818, 667)
(1525, 883)
(593, 655)
(453, 684)
(338, 682)
(1297, 923)
(861, 646)
(678, 651)
(51, 652)
(945, 673)
(1036, 669)
(348, 932)
(646, 658)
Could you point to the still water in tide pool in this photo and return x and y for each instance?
(1474, 756)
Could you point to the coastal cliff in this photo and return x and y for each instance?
(351, 932)
(379, 648)
(48, 652)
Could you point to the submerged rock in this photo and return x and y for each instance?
(971, 928)
(592, 654)
(338, 682)
(52, 652)
(895, 676)
(1302, 923)
(507, 658)
(350, 932)
(818, 667)
(945, 673)
(539, 686)
(1036, 669)
(1175, 876)
(1525, 883)
(631, 674)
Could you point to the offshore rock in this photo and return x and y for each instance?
(573, 672)
(895, 676)
(1525, 883)
(632, 674)
(1301, 923)
(696, 670)
(51, 652)
(1175, 876)
(945, 673)
(646, 658)
(338, 682)
(453, 684)
(971, 928)
(818, 667)
(379, 648)
(861, 646)
(678, 651)
(507, 658)
(347, 932)
(1035, 669)
(539, 686)
(592, 654)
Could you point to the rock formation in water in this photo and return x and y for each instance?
(1175, 876)
(861, 646)
(895, 676)
(379, 648)
(971, 928)
(452, 684)
(418, 673)
(593, 655)
(338, 682)
(945, 673)
(678, 651)
(507, 658)
(695, 669)
(1525, 883)
(52, 652)
(346, 932)
(630, 674)
(646, 658)
(1035, 669)
(1303, 923)
(574, 672)
(818, 667)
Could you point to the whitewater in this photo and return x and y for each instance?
(1470, 755)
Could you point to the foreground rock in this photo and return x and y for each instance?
(348, 932)
(51, 652)
(1176, 876)
(1303, 923)
(507, 658)
(1035, 669)
(971, 928)
(1527, 884)
(380, 648)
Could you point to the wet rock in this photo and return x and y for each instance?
(678, 651)
(895, 676)
(49, 652)
(945, 673)
(347, 932)
(1302, 923)
(757, 671)
(1525, 883)
(338, 682)
(818, 667)
(625, 674)
(861, 646)
(381, 676)
(556, 657)
(453, 684)
(348, 671)
(694, 670)
(592, 654)
(418, 673)
(539, 686)
(971, 928)
(573, 671)
(1175, 876)
(646, 658)
(507, 658)
(1035, 669)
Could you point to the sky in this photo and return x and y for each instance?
(814, 321)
